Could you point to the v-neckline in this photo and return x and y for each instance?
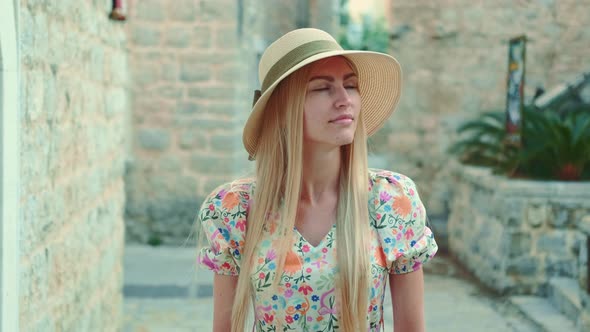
(323, 239)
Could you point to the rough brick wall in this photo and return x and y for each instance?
(189, 73)
(454, 57)
(73, 120)
(194, 69)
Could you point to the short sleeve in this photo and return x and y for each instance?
(222, 219)
(398, 215)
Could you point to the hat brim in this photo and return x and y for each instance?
(380, 86)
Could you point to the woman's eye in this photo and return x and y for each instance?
(321, 89)
(352, 86)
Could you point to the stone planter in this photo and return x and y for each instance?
(516, 234)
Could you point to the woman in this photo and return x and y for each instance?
(308, 213)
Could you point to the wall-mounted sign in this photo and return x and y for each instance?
(515, 87)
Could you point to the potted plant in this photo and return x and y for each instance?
(555, 146)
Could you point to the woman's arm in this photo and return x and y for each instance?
(407, 296)
(224, 291)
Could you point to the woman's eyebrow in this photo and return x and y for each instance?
(349, 75)
(330, 78)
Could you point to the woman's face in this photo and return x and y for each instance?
(332, 103)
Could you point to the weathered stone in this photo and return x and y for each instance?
(153, 139)
(72, 156)
(205, 124)
(211, 10)
(194, 73)
(584, 225)
(582, 259)
(187, 186)
(222, 93)
(117, 68)
(560, 266)
(170, 71)
(229, 73)
(560, 217)
(223, 109)
(170, 163)
(216, 57)
(205, 164)
(201, 37)
(115, 102)
(537, 215)
(519, 244)
(578, 215)
(170, 92)
(150, 10)
(225, 142)
(145, 74)
(512, 214)
(552, 243)
(145, 36)
(187, 108)
(182, 10)
(524, 266)
(97, 59)
(178, 37)
(190, 139)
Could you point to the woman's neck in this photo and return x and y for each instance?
(321, 174)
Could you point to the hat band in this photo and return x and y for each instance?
(295, 56)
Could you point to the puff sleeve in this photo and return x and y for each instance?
(222, 219)
(399, 218)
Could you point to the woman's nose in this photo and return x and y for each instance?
(342, 96)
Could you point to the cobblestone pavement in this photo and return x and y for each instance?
(162, 294)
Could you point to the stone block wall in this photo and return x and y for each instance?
(73, 95)
(514, 234)
(194, 69)
(190, 71)
(454, 59)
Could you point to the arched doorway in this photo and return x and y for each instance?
(9, 166)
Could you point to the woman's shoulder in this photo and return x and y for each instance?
(386, 179)
(229, 195)
(242, 187)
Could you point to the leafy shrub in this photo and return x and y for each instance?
(370, 35)
(554, 146)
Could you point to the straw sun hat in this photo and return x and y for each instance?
(379, 77)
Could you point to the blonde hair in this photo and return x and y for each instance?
(279, 160)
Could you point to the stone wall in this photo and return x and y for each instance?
(190, 74)
(454, 58)
(515, 234)
(73, 97)
(194, 69)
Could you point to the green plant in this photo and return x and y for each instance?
(370, 35)
(482, 143)
(554, 146)
(154, 240)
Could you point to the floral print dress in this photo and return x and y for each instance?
(305, 299)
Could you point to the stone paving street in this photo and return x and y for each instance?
(162, 293)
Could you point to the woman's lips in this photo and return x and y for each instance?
(343, 119)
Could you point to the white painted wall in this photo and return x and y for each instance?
(9, 177)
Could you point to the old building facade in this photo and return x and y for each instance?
(125, 126)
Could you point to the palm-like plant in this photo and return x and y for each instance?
(554, 147)
(483, 141)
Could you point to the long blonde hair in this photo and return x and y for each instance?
(279, 160)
